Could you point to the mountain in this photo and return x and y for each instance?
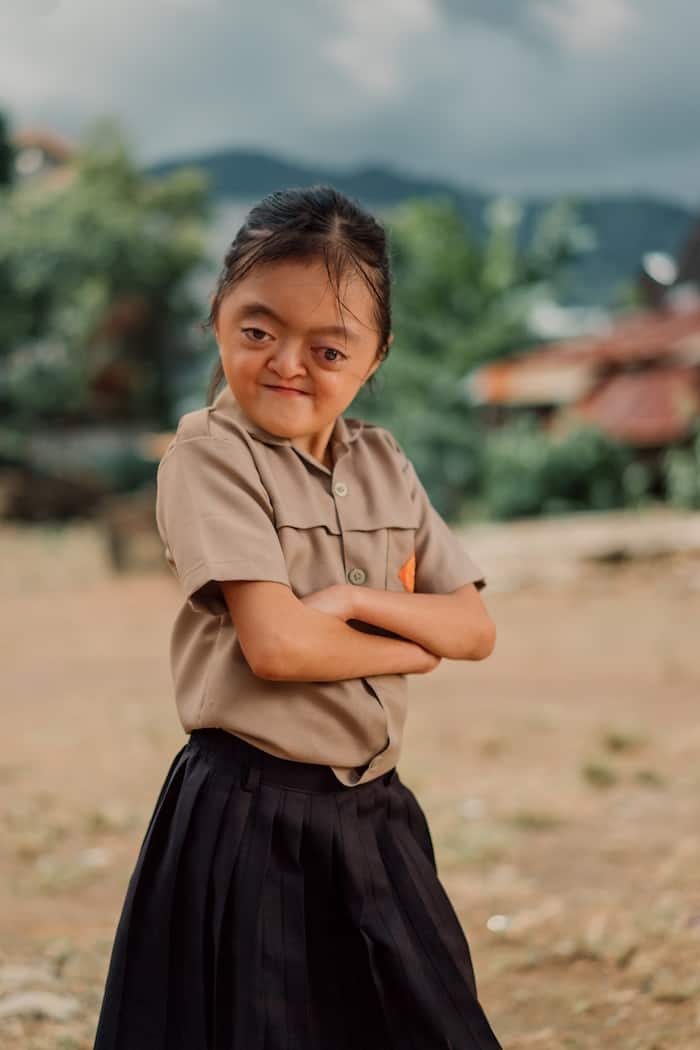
(625, 226)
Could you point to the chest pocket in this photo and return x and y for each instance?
(401, 558)
(328, 540)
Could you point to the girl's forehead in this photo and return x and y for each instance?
(297, 291)
(282, 274)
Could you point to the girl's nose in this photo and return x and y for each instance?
(288, 361)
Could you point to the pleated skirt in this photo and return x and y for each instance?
(273, 908)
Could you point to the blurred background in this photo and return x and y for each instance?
(537, 165)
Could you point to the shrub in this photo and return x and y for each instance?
(681, 472)
(528, 472)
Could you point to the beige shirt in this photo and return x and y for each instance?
(235, 502)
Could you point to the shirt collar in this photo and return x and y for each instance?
(344, 432)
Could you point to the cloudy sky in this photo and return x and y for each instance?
(525, 96)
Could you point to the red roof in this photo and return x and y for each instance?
(636, 336)
(653, 407)
(56, 146)
(639, 382)
(647, 334)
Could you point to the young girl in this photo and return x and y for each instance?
(285, 896)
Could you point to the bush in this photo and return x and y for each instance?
(527, 472)
(681, 472)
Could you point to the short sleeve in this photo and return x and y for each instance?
(442, 563)
(215, 519)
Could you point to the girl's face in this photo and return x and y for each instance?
(283, 352)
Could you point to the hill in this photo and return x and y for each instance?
(625, 226)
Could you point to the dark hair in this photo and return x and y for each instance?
(312, 222)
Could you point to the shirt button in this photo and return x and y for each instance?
(340, 488)
(357, 575)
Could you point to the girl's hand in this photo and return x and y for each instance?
(337, 600)
(429, 661)
(340, 600)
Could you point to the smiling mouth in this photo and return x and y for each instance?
(285, 389)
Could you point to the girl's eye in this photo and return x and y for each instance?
(258, 330)
(340, 356)
(337, 357)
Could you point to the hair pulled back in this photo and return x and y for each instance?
(315, 222)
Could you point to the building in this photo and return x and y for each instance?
(639, 382)
(43, 156)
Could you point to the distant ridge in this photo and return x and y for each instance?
(625, 226)
(240, 173)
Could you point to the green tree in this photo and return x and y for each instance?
(6, 152)
(528, 472)
(94, 282)
(457, 302)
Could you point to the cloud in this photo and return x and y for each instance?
(368, 44)
(572, 24)
(524, 95)
(586, 25)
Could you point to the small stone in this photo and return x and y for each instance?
(539, 1036)
(668, 988)
(498, 923)
(16, 975)
(113, 815)
(472, 808)
(93, 857)
(35, 1003)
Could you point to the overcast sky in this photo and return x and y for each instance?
(526, 96)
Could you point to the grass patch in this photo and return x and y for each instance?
(493, 745)
(473, 846)
(599, 774)
(534, 820)
(650, 778)
(622, 741)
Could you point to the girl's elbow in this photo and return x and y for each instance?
(270, 658)
(487, 641)
(483, 644)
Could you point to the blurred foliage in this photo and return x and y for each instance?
(6, 152)
(93, 271)
(459, 301)
(528, 472)
(681, 469)
(99, 313)
(124, 470)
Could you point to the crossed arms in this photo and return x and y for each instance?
(309, 639)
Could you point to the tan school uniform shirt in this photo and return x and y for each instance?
(235, 502)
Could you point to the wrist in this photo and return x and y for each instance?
(354, 601)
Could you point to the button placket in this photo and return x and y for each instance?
(355, 574)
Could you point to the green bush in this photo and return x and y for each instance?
(526, 472)
(461, 298)
(124, 471)
(681, 472)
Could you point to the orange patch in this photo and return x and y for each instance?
(407, 573)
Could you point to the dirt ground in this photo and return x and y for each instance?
(560, 778)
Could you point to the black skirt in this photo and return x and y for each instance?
(273, 908)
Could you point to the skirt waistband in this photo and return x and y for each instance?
(259, 765)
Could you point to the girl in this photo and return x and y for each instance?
(285, 896)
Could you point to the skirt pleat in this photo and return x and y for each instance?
(398, 968)
(237, 805)
(436, 926)
(265, 915)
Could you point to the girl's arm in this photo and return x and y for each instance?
(285, 638)
(454, 625)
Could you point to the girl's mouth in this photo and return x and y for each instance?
(290, 391)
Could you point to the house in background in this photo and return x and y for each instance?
(43, 156)
(636, 378)
(639, 382)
